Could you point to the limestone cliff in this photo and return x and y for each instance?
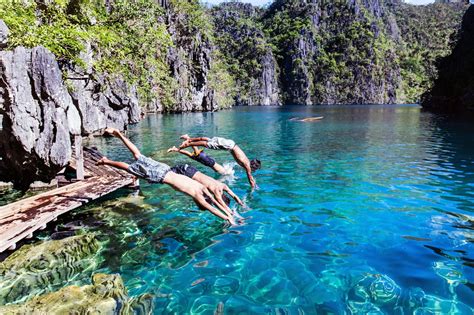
(247, 52)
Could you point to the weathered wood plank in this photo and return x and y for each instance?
(21, 219)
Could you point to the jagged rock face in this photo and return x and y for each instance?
(248, 53)
(38, 116)
(38, 268)
(453, 91)
(104, 102)
(190, 66)
(298, 77)
(106, 295)
(190, 63)
(3, 34)
(334, 52)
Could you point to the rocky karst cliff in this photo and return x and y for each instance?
(247, 52)
(453, 91)
(340, 52)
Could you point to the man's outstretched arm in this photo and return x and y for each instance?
(116, 133)
(202, 202)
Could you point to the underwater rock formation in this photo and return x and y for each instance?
(39, 268)
(453, 91)
(106, 295)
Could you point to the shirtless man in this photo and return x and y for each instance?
(156, 172)
(217, 143)
(217, 188)
(201, 157)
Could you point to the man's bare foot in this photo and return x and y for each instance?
(185, 137)
(111, 131)
(102, 161)
(173, 149)
(185, 144)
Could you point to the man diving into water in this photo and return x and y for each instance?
(201, 157)
(218, 143)
(156, 172)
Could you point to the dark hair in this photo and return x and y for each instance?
(209, 201)
(255, 164)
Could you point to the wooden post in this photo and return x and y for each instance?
(79, 157)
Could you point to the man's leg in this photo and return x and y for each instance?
(116, 133)
(120, 165)
(219, 169)
(190, 143)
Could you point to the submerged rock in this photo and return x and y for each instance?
(106, 295)
(37, 268)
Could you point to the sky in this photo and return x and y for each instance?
(262, 2)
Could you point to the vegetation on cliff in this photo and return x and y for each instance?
(183, 57)
(427, 34)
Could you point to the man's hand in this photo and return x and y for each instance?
(232, 221)
(185, 137)
(252, 182)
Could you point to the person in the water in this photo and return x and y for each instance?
(218, 143)
(156, 172)
(217, 188)
(201, 157)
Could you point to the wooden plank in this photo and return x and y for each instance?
(21, 219)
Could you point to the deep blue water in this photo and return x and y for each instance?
(369, 210)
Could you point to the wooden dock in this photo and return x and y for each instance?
(19, 220)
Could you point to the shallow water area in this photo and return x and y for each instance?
(370, 209)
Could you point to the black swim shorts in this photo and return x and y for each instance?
(184, 169)
(205, 159)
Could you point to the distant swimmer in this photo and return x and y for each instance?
(217, 188)
(217, 143)
(201, 157)
(160, 173)
(309, 119)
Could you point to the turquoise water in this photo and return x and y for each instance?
(368, 210)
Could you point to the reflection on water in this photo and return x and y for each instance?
(368, 210)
